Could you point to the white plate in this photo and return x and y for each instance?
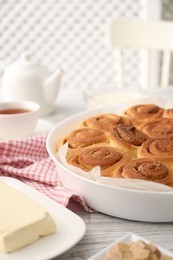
(70, 228)
(127, 239)
(152, 206)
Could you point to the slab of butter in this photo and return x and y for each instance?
(22, 221)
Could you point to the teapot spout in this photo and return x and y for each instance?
(52, 85)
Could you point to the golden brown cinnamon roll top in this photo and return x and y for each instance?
(159, 149)
(108, 158)
(146, 169)
(158, 128)
(127, 138)
(140, 113)
(129, 133)
(106, 121)
(83, 137)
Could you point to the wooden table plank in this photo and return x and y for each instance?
(102, 230)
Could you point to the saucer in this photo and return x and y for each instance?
(43, 127)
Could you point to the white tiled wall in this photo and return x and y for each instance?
(68, 34)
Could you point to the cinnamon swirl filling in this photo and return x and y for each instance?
(102, 156)
(83, 137)
(127, 138)
(106, 121)
(158, 128)
(129, 134)
(145, 169)
(160, 149)
(108, 158)
(140, 113)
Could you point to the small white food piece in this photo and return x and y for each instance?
(22, 221)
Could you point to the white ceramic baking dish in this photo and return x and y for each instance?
(151, 206)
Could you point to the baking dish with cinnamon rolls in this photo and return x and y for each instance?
(123, 149)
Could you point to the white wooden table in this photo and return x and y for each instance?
(102, 230)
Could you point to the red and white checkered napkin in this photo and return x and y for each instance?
(28, 161)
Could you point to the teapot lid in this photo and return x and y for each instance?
(25, 62)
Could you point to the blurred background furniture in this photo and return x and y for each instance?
(154, 36)
(71, 34)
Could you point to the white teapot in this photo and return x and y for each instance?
(26, 80)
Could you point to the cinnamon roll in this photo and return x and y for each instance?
(83, 137)
(146, 169)
(161, 128)
(108, 158)
(140, 113)
(106, 121)
(127, 138)
(159, 149)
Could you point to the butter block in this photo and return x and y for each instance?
(22, 220)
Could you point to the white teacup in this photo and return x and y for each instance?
(18, 119)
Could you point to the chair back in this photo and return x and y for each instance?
(151, 35)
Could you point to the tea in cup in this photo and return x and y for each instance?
(18, 119)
